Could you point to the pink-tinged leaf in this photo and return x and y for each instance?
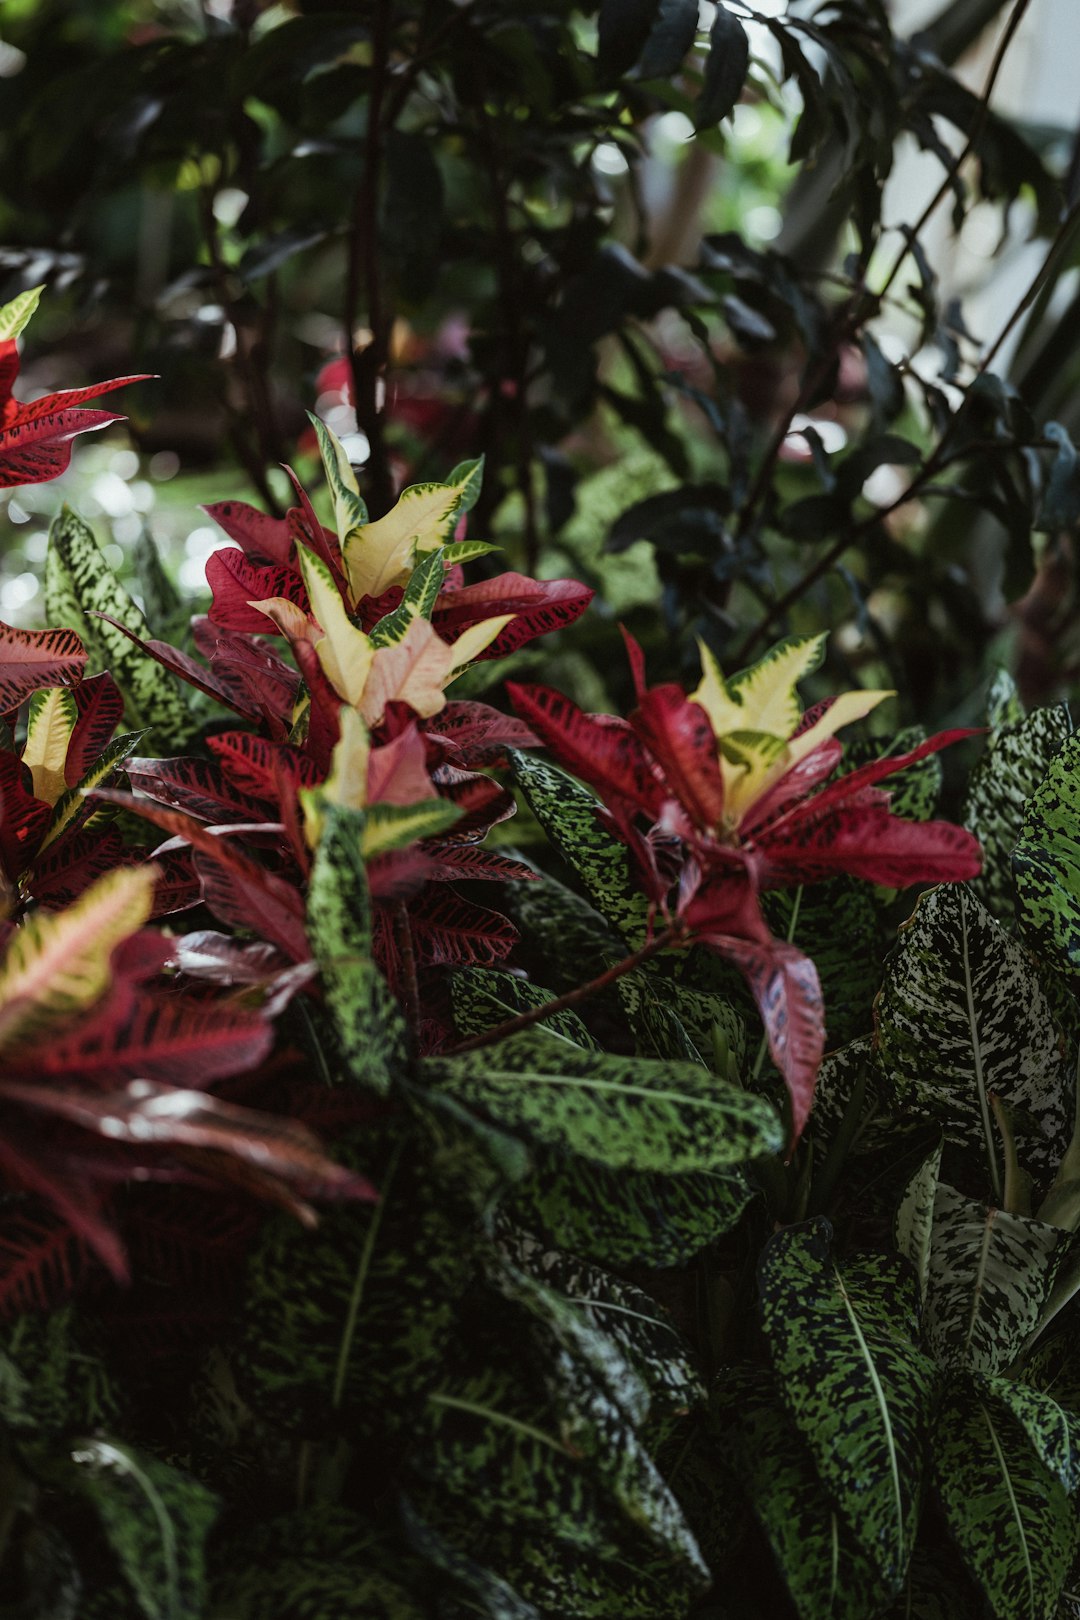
(262, 538)
(9, 371)
(259, 768)
(482, 802)
(475, 862)
(166, 1038)
(793, 787)
(23, 819)
(42, 1260)
(236, 582)
(261, 684)
(787, 991)
(448, 930)
(400, 873)
(177, 888)
(636, 659)
(306, 529)
(33, 659)
(479, 734)
(33, 452)
(148, 1115)
(397, 772)
(845, 787)
(324, 726)
(63, 402)
(196, 786)
(679, 736)
(100, 707)
(539, 606)
(601, 750)
(867, 842)
(243, 893)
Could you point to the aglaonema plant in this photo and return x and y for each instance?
(691, 1240)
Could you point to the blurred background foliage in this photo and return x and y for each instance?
(687, 274)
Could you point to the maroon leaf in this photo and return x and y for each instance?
(450, 930)
(71, 864)
(259, 536)
(479, 734)
(31, 452)
(196, 786)
(23, 819)
(32, 659)
(52, 404)
(539, 607)
(867, 842)
(473, 861)
(680, 737)
(600, 749)
(100, 706)
(260, 768)
(167, 1038)
(482, 802)
(235, 581)
(41, 1259)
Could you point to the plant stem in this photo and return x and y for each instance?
(368, 368)
(525, 1020)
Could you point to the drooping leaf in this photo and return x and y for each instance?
(914, 1225)
(32, 659)
(961, 1016)
(633, 1113)
(1011, 1518)
(152, 696)
(156, 1519)
(1053, 1431)
(367, 1019)
(725, 70)
(990, 1276)
(485, 997)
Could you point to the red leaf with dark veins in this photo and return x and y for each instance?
(793, 787)
(479, 734)
(449, 930)
(23, 819)
(260, 537)
(868, 842)
(235, 581)
(166, 1038)
(33, 659)
(787, 991)
(69, 866)
(68, 398)
(33, 452)
(680, 738)
(540, 606)
(100, 706)
(482, 801)
(601, 750)
(196, 786)
(257, 767)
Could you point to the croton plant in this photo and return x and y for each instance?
(680, 1223)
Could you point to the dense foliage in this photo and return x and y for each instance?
(463, 1151)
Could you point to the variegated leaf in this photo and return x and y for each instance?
(73, 805)
(368, 1021)
(418, 602)
(914, 1225)
(1046, 863)
(380, 554)
(350, 513)
(632, 1113)
(152, 695)
(961, 1016)
(49, 725)
(57, 963)
(1011, 1518)
(568, 814)
(843, 1341)
(1053, 1431)
(826, 1571)
(484, 997)
(990, 1275)
(1017, 756)
(16, 315)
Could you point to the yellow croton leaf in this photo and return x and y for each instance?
(50, 722)
(415, 669)
(57, 962)
(344, 651)
(380, 554)
(346, 781)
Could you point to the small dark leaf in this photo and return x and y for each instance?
(725, 70)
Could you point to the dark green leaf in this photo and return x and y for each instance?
(725, 70)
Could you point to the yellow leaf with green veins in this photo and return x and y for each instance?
(415, 669)
(15, 317)
(764, 697)
(384, 553)
(51, 720)
(344, 652)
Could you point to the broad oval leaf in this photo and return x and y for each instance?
(843, 1341)
(1046, 863)
(1017, 756)
(623, 1112)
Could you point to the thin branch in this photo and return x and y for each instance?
(510, 1026)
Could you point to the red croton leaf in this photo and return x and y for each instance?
(100, 707)
(680, 738)
(33, 452)
(31, 659)
(539, 606)
(601, 749)
(787, 991)
(23, 819)
(236, 581)
(42, 1258)
(165, 1038)
(262, 538)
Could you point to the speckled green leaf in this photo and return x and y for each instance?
(1012, 1520)
(1046, 863)
(937, 1587)
(368, 1021)
(657, 1029)
(843, 1342)
(568, 814)
(914, 1225)
(497, 1480)
(990, 1275)
(357, 1315)
(53, 1375)
(418, 600)
(80, 574)
(625, 1217)
(827, 1572)
(626, 1113)
(709, 1019)
(563, 927)
(156, 1520)
(484, 997)
(1052, 1431)
(1017, 755)
(914, 792)
(962, 1015)
(638, 1328)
